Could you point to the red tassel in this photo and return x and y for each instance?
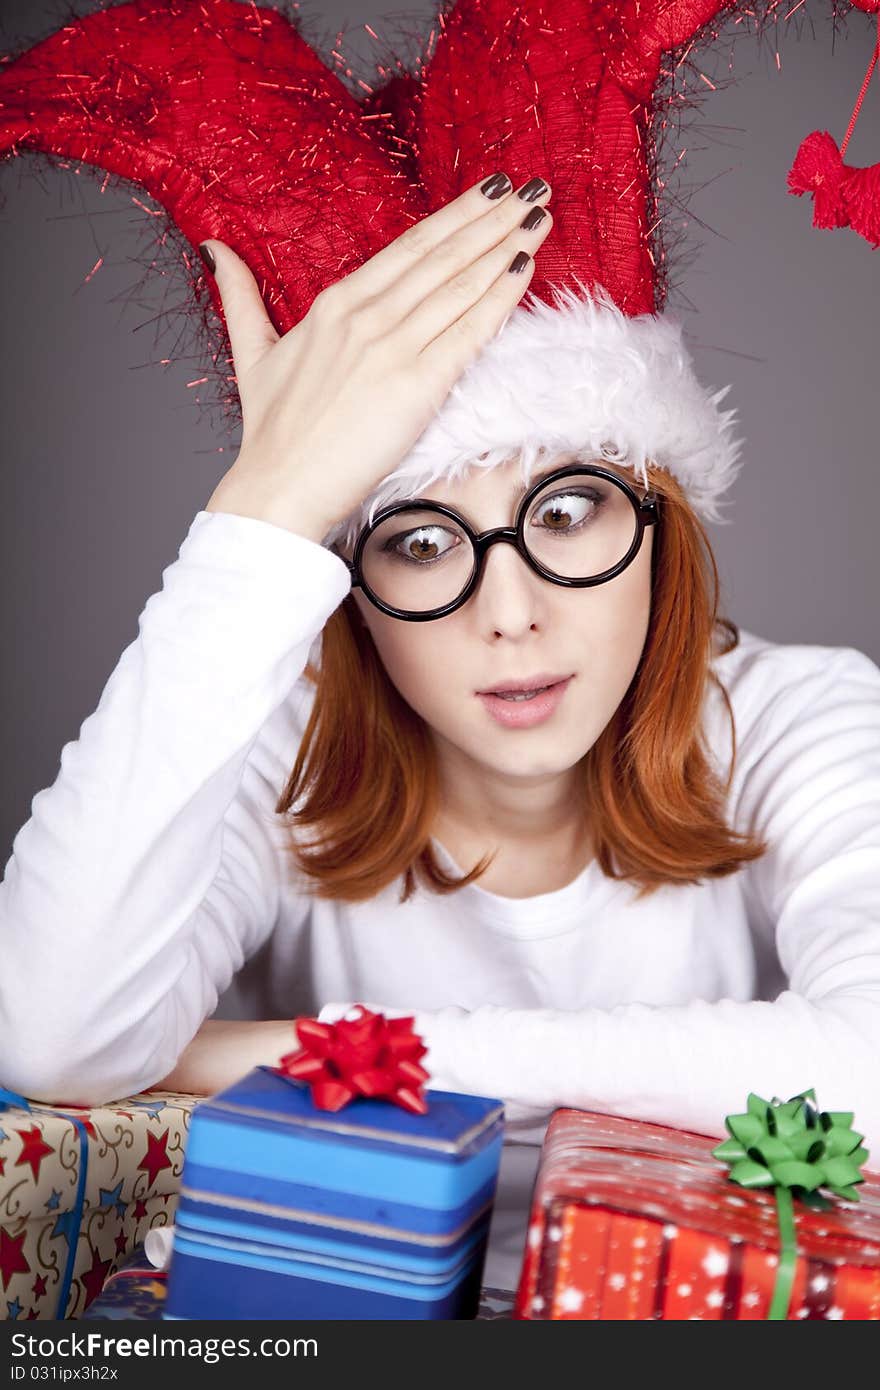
(861, 194)
(842, 196)
(818, 169)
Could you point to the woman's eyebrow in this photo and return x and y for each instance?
(545, 473)
(560, 463)
(521, 490)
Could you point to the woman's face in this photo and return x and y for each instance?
(517, 627)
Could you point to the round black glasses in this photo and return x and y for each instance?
(579, 526)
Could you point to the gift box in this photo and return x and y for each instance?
(631, 1220)
(79, 1188)
(288, 1210)
(136, 1290)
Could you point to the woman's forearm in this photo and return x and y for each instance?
(223, 1051)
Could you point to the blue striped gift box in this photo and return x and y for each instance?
(289, 1211)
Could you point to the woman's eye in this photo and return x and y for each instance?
(426, 543)
(565, 510)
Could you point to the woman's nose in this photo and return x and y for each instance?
(508, 592)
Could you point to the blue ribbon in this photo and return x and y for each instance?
(10, 1100)
(76, 1215)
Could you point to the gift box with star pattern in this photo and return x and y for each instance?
(79, 1189)
(632, 1220)
(288, 1210)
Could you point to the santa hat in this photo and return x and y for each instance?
(224, 114)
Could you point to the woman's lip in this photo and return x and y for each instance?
(539, 682)
(523, 714)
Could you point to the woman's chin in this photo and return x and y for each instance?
(526, 761)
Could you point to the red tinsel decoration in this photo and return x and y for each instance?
(226, 116)
(369, 1055)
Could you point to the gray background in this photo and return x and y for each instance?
(107, 454)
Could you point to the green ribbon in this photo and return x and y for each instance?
(796, 1148)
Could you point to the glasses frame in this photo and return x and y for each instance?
(647, 513)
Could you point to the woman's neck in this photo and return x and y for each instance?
(537, 828)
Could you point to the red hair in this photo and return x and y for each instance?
(365, 775)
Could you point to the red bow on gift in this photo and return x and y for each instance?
(369, 1055)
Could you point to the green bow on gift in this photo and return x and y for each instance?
(796, 1148)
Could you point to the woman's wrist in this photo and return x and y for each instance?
(224, 1050)
(238, 494)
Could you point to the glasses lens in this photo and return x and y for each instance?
(580, 526)
(577, 527)
(417, 560)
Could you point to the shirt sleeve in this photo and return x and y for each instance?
(148, 871)
(812, 791)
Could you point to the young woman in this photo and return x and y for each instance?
(485, 755)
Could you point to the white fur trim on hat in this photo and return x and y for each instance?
(576, 375)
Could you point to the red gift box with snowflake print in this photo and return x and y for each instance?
(631, 1220)
(79, 1189)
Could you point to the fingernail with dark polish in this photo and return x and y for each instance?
(496, 185)
(533, 219)
(532, 190)
(207, 256)
(519, 262)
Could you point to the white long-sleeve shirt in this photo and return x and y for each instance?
(153, 873)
